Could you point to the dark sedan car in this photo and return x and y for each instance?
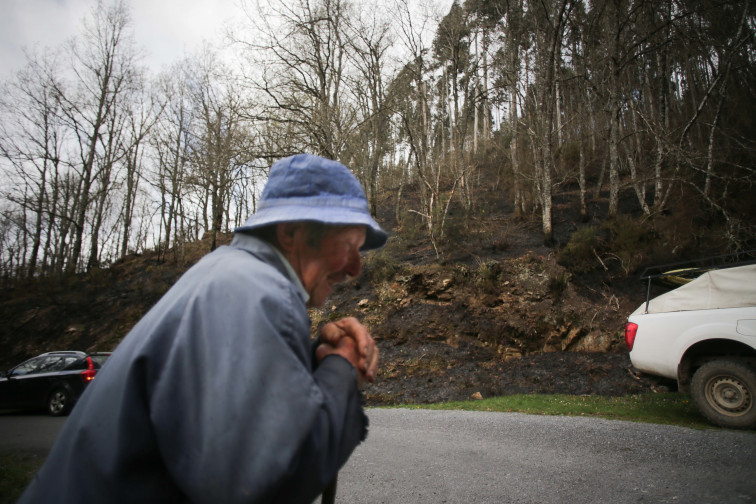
(53, 381)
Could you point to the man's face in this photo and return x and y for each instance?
(320, 269)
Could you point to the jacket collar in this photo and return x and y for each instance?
(270, 255)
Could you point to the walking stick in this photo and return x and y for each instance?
(329, 494)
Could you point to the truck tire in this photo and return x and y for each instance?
(724, 391)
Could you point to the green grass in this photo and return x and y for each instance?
(16, 470)
(668, 408)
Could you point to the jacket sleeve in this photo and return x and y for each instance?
(317, 467)
(237, 411)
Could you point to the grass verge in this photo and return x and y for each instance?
(16, 470)
(667, 408)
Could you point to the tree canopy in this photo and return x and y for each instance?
(645, 103)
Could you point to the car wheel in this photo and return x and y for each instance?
(724, 391)
(59, 402)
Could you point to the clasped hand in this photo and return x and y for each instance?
(350, 339)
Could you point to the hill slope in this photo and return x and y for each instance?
(492, 313)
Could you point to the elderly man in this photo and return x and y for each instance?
(218, 394)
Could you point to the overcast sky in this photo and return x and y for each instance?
(166, 29)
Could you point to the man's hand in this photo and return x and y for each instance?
(350, 339)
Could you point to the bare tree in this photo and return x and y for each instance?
(170, 144)
(218, 152)
(452, 50)
(31, 140)
(369, 43)
(411, 98)
(111, 152)
(550, 20)
(141, 118)
(297, 54)
(103, 63)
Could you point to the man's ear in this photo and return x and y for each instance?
(287, 234)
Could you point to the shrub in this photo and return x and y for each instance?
(461, 274)
(487, 276)
(558, 283)
(627, 242)
(579, 255)
(380, 266)
(412, 225)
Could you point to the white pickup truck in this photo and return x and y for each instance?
(703, 334)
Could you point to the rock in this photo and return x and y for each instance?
(453, 341)
(477, 396)
(594, 341)
(509, 353)
(572, 335)
(363, 303)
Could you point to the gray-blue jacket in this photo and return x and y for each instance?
(212, 397)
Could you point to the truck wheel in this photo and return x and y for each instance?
(724, 391)
(59, 402)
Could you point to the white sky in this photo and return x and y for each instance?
(166, 29)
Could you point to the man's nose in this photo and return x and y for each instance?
(354, 265)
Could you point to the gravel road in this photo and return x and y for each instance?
(422, 456)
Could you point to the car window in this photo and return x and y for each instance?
(99, 359)
(52, 363)
(75, 363)
(29, 367)
(69, 361)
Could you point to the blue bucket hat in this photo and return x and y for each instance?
(305, 187)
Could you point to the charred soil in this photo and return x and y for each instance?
(504, 319)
